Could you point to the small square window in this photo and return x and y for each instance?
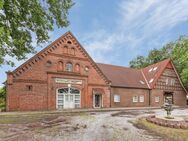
(141, 98)
(135, 98)
(29, 87)
(157, 99)
(116, 98)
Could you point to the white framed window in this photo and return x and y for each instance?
(141, 98)
(167, 81)
(157, 98)
(116, 98)
(69, 67)
(135, 98)
(173, 82)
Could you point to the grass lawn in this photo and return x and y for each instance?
(168, 134)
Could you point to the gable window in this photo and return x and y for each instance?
(135, 98)
(69, 67)
(141, 98)
(116, 98)
(167, 81)
(48, 63)
(29, 87)
(77, 68)
(69, 42)
(86, 68)
(173, 82)
(73, 51)
(60, 66)
(65, 49)
(157, 99)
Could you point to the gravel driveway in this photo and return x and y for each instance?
(88, 126)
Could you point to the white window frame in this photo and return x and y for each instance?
(166, 81)
(172, 82)
(157, 99)
(117, 98)
(135, 99)
(141, 98)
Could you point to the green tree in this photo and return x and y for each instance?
(138, 62)
(22, 21)
(2, 98)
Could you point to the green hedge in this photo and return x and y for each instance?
(2, 98)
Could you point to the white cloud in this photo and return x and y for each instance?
(140, 24)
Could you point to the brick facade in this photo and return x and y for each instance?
(33, 85)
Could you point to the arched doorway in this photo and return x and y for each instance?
(68, 98)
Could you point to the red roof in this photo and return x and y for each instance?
(153, 72)
(133, 78)
(123, 77)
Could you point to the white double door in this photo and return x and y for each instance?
(69, 101)
(68, 98)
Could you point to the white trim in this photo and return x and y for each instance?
(141, 96)
(64, 96)
(145, 79)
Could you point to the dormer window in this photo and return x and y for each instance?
(150, 69)
(151, 80)
(155, 68)
(69, 67)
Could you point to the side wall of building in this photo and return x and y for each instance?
(126, 97)
(179, 97)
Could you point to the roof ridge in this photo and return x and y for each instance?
(168, 59)
(118, 66)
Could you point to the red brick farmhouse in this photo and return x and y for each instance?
(63, 75)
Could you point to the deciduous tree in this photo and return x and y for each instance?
(22, 21)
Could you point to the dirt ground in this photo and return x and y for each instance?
(85, 126)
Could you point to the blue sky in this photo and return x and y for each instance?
(116, 31)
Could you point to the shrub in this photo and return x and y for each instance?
(2, 98)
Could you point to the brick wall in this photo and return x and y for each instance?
(126, 97)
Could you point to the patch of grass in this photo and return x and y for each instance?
(86, 116)
(164, 132)
(2, 104)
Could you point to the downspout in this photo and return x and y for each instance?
(110, 94)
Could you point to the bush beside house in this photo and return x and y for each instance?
(2, 98)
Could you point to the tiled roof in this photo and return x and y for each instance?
(152, 72)
(123, 77)
(133, 78)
